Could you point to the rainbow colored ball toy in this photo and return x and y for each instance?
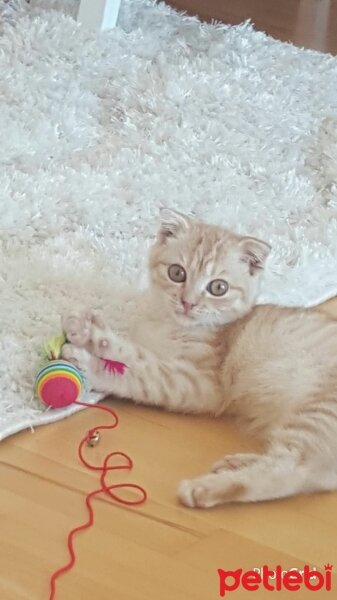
(59, 384)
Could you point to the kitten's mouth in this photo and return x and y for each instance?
(181, 314)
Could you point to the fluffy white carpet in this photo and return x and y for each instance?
(99, 131)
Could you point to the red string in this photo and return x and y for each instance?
(107, 489)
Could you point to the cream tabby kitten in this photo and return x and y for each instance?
(202, 346)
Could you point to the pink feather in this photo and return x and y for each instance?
(114, 366)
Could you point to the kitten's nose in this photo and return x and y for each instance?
(187, 306)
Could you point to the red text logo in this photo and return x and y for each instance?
(275, 580)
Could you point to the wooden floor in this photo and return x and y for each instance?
(160, 550)
(307, 23)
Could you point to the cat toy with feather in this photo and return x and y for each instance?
(59, 383)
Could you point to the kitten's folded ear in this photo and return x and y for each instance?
(172, 223)
(254, 253)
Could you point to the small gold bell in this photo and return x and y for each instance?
(93, 438)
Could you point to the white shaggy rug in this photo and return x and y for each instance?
(99, 131)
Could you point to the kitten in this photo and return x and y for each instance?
(202, 346)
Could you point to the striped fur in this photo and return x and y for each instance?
(273, 369)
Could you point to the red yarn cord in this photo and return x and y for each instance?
(105, 487)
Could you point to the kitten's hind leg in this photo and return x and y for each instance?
(232, 462)
(277, 474)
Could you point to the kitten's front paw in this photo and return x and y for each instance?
(77, 327)
(109, 345)
(77, 356)
(210, 490)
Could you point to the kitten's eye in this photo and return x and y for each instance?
(218, 287)
(177, 273)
